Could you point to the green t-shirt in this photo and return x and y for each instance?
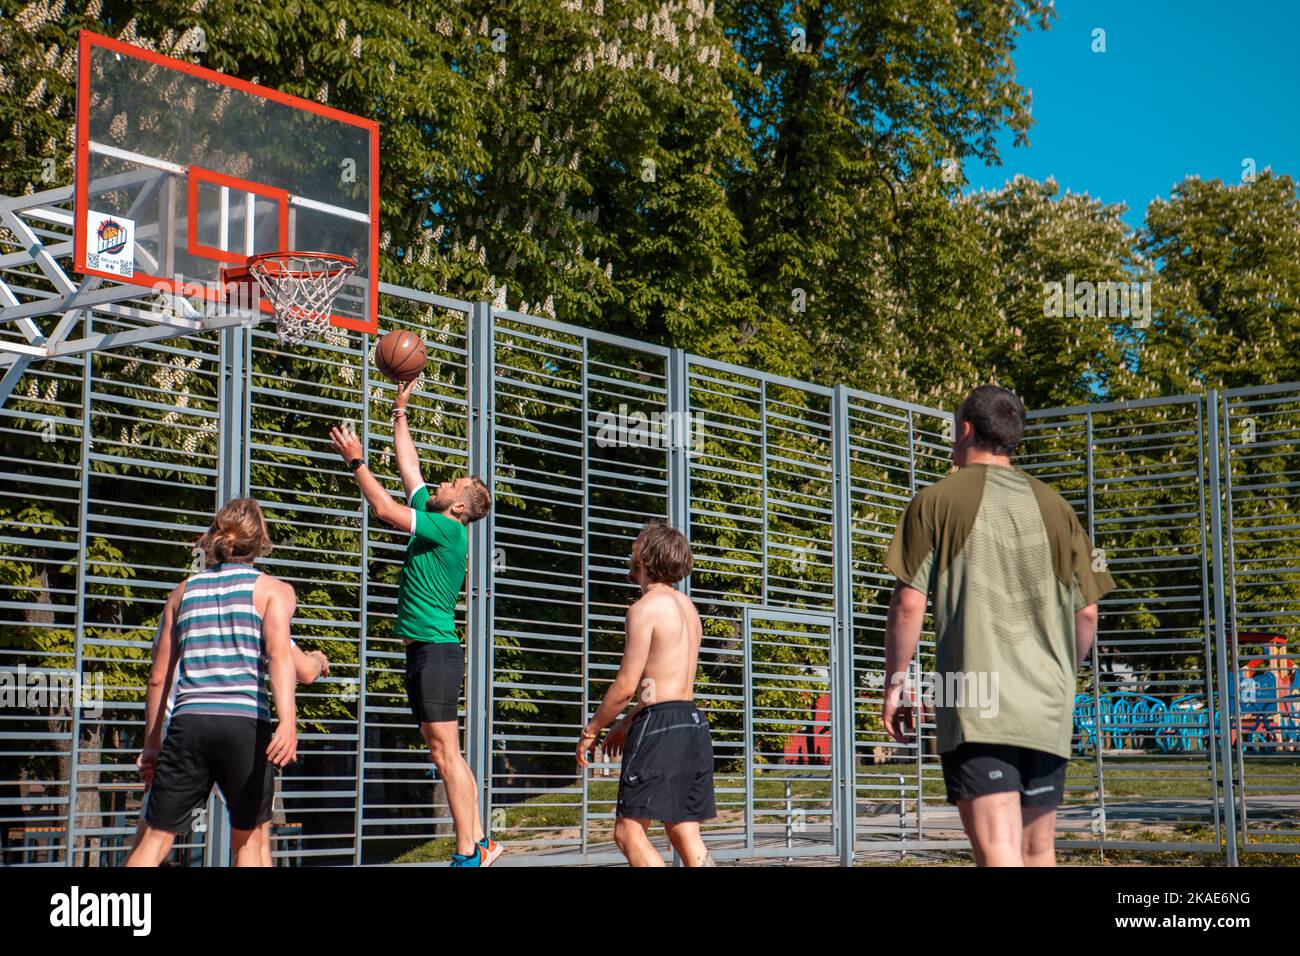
(1006, 564)
(432, 576)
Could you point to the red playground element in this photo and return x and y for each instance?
(1269, 708)
(812, 744)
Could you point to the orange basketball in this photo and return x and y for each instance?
(400, 356)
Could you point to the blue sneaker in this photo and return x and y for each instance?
(460, 859)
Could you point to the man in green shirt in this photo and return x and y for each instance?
(1014, 586)
(432, 577)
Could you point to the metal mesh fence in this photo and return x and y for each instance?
(1146, 762)
(1262, 476)
(790, 493)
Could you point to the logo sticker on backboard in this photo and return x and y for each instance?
(110, 243)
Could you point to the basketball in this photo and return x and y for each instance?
(400, 356)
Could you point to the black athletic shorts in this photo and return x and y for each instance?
(435, 674)
(974, 770)
(668, 765)
(200, 750)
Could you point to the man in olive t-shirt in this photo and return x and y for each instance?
(432, 576)
(1010, 575)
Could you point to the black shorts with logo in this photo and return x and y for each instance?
(975, 770)
(200, 750)
(435, 674)
(667, 770)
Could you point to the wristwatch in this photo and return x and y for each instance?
(356, 463)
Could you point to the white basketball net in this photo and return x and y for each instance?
(301, 288)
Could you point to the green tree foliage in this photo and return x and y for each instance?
(1228, 286)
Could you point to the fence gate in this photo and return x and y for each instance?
(792, 735)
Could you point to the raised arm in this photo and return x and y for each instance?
(283, 748)
(386, 509)
(408, 462)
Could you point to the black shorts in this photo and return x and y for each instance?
(200, 750)
(435, 674)
(975, 770)
(667, 770)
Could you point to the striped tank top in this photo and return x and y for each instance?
(222, 669)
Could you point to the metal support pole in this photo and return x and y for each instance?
(479, 603)
(1206, 617)
(1089, 518)
(1238, 773)
(842, 669)
(232, 482)
(747, 664)
(680, 446)
(1220, 634)
(79, 633)
(364, 614)
(916, 657)
(762, 471)
(679, 450)
(584, 714)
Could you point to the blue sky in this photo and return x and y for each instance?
(1191, 87)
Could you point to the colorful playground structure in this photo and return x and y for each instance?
(1268, 713)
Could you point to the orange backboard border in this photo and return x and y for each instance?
(87, 41)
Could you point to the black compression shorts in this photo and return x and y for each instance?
(975, 770)
(435, 674)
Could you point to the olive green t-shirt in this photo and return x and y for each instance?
(432, 575)
(1006, 565)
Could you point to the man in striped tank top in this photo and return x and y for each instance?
(432, 577)
(222, 631)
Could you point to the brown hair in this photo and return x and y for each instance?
(478, 500)
(664, 552)
(237, 533)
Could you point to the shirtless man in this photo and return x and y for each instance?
(667, 751)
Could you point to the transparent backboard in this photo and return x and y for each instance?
(182, 171)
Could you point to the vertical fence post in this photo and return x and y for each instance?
(747, 659)
(916, 657)
(584, 610)
(1234, 658)
(1095, 655)
(79, 631)
(843, 720)
(479, 372)
(232, 472)
(1207, 618)
(1220, 631)
(679, 449)
(364, 614)
(680, 433)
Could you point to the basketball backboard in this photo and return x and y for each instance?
(182, 171)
